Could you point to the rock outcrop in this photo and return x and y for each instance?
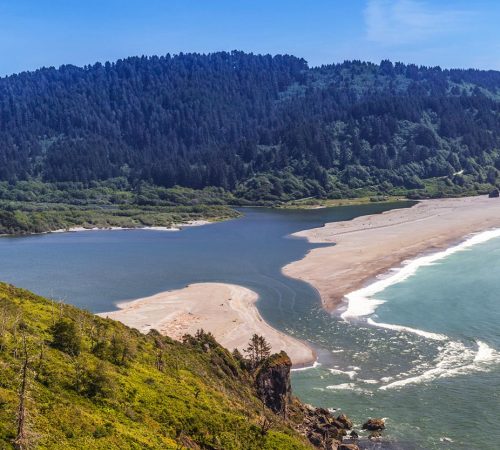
(495, 193)
(273, 383)
(374, 425)
(323, 430)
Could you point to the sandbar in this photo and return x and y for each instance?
(368, 246)
(227, 311)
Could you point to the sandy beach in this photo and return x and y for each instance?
(368, 246)
(174, 227)
(227, 311)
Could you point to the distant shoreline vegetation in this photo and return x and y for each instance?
(34, 207)
(28, 207)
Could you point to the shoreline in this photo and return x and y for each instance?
(228, 311)
(367, 247)
(174, 227)
(361, 303)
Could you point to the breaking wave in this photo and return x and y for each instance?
(300, 369)
(455, 359)
(401, 328)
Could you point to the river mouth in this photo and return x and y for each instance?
(94, 270)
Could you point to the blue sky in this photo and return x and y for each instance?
(36, 33)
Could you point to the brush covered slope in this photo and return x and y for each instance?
(69, 379)
(34, 207)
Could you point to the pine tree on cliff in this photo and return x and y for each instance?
(258, 350)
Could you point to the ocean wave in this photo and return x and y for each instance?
(342, 386)
(401, 328)
(353, 387)
(455, 359)
(350, 373)
(485, 354)
(300, 369)
(361, 303)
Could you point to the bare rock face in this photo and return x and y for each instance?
(323, 430)
(273, 383)
(345, 421)
(348, 447)
(374, 436)
(374, 425)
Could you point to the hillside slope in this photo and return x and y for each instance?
(94, 383)
(262, 127)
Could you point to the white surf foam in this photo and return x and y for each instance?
(349, 387)
(455, 359)
(361, 303)
(342, 386)
(350, 373)
(485, 354)
(313, 366)
(425, 334)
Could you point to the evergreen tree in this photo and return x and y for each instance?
(257, 350)
(65, 337)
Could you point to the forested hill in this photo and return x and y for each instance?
(263, 127)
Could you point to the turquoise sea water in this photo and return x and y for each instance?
(433, 367)
(440, 381)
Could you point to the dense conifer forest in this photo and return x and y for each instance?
(261, 127)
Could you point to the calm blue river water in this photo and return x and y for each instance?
(430, 389)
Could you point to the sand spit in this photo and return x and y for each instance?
(368, 246)
(227, 311)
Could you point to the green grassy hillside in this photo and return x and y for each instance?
(94, 383)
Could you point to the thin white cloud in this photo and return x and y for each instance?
(394, 22)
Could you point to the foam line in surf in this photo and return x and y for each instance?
(401, 328)
(349, 387)
(300, 369)
(455, 359)
(349, 373)
(361, 303)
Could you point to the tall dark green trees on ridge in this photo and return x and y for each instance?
(257, 125)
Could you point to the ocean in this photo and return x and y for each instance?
(419, 347)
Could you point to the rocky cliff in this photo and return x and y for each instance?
(273, 383)
(322, 428)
